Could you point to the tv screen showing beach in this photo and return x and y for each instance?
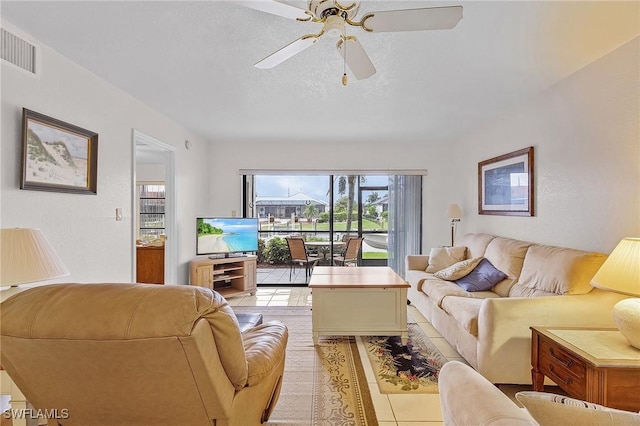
(226, 235)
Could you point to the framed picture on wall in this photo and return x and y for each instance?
(505, 184)
(57, 156)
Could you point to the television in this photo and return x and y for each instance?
(226, 237)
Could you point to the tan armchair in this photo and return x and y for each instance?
(139, 355)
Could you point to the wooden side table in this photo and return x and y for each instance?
(593, 364)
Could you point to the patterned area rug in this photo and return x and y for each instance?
(413, 368)
(322, 385)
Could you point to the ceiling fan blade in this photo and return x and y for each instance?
(276, 8)
(430, 18)
(357, 59)
(287, 52)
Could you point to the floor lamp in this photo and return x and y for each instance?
(455, 214)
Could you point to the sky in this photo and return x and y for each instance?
(315, 186)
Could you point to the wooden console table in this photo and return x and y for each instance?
(228, 276)
(593, 364)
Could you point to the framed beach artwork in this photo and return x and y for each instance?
(57, 156)
(505, 184)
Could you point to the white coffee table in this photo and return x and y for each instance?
(358, 301)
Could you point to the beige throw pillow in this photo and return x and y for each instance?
(458, 270)
(549, 409)
(443, 257)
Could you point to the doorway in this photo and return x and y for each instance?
(151, 154)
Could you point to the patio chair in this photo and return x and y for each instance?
(350, 255)
(299, 256)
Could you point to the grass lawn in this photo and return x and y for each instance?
(374, 255)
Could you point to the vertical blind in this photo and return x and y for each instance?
(405, 218)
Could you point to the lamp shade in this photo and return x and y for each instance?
(621, 271)
(26, 257)
(454, 212)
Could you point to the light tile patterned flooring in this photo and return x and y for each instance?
(391, 409)
(281, 275)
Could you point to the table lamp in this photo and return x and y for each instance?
(620, 273)
(455, 214)
(26, 256)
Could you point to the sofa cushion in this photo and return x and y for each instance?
(438, 289)
(475, 243)
(458, 270)
(507, 255)
(443, 257)
(550, 270)
(483, 277)
(416, 278)
(550, 409)
(465, 311)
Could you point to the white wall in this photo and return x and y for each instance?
(82, 228)
(586, 134)
(150, 173)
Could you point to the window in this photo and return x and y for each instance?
(151, 223)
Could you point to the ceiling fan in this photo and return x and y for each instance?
(334, 15)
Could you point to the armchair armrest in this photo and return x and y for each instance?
(504, 334)
(481, 403)
(265, 346)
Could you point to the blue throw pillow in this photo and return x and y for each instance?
(483, 277)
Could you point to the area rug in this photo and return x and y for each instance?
(410, 368)
(323, 384)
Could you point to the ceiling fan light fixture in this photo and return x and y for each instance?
(336, 14)
(320, 9)
(334, 25)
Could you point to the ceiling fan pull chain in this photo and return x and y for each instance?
(345, 79)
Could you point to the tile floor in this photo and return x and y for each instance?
(391, 409)
(281, 275)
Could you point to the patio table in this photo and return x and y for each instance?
(324, 246)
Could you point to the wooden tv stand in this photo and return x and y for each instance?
(230, 276)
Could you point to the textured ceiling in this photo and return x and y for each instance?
(193, 61)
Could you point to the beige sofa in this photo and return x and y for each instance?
(468, 399)
(139, 355)
(545, 285)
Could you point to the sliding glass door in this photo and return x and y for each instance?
(373, 221)
(324, 210)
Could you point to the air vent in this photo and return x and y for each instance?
(17, 51)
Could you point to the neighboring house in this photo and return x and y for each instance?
(284, 207)
(382, 205)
